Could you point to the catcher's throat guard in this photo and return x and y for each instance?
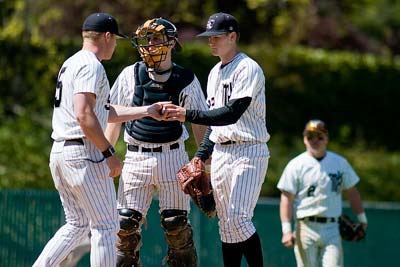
(153, 40)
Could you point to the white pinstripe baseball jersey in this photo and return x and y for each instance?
(82, 72)
(122, 91)
(242, 77)
(318, 185)
(79, 170)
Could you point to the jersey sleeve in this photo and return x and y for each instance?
(119, 94)
(288, 180)
(87, 78)
(247, 80)
(350, 178)
(192, 97)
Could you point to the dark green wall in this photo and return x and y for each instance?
(30, 218)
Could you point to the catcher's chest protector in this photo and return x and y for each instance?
(148, 92)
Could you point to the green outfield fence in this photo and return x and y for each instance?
(29, 218)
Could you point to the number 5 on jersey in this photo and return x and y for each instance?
(57, 97)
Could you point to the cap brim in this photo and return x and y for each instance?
(123, 36)
(210, 33)
(314, 131)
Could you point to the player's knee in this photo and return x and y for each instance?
(179, 236)
(178, 231)
(129, 220)
(129, 234)
(172, 219)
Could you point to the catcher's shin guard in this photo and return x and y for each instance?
(129, 238)
(179, 236)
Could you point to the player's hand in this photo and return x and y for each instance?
(115, 166)
(175, 113)
(288, 240)
(156, 110)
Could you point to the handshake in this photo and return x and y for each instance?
(166, 111)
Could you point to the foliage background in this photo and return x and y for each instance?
(337, 60)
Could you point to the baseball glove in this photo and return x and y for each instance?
(195, 182)
(349, 230)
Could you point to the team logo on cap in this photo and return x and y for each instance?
(210, 24)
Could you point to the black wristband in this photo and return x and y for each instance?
(108, 152)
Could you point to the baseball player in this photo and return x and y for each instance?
(311, 186)
(237, 139)
(81, 159)
(155, 150)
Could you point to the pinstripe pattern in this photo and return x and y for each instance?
(83, 73)
(123, 90)
(242, 77)
(238, 173)
(146, 173)
(80, 172)
(238, 170)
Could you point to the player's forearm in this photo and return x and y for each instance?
(285, 207)
(122, 114)
(92, 130)
(228, 114)
(355, 201)
(198, 132)
(206, 147)
(112, 132)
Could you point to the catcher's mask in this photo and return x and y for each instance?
(153, 39)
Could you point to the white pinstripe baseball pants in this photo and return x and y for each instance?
(237, 174)
(89, 201)
(318, 244)
(144, 173)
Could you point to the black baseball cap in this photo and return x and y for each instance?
(220, 23)
(102, 22)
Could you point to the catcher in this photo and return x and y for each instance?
(311, 189)
(155, 149)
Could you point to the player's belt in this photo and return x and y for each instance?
(135, 148)
(74, 142)
(318, 219)
(230, 142)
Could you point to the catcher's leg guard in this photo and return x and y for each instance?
(129, 238)
(179, 236)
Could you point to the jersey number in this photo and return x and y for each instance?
(311, 190)
(59, 85)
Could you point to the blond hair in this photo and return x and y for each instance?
(91, 35)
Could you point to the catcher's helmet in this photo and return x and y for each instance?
(153, 39)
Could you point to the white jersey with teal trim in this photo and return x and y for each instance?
(81, 73)
(318, 185)
(242, 77)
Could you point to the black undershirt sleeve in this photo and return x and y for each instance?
(206, 146)
(228, 114)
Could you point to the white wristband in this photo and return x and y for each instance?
(286, 227)
(362, 218)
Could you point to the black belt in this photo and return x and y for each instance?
(72, 142)
(230, 142)
(318, 219)
(135, 148)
